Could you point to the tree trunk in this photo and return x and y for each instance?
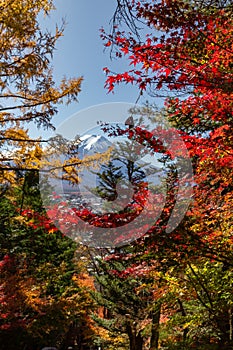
(223, 322)
(135, 338)
(154, 340)
(184, 314)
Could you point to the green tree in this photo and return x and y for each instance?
(127, 300)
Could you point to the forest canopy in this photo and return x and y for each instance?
(167, 289)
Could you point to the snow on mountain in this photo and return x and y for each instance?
(90, 141)
(91, 144)
(85, 137)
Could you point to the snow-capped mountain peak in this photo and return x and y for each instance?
(93, 143)
(89, 140)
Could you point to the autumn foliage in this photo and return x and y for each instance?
(163, 289)
(185, 51)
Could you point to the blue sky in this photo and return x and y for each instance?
(80, 52)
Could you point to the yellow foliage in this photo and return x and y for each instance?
(28, 91)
